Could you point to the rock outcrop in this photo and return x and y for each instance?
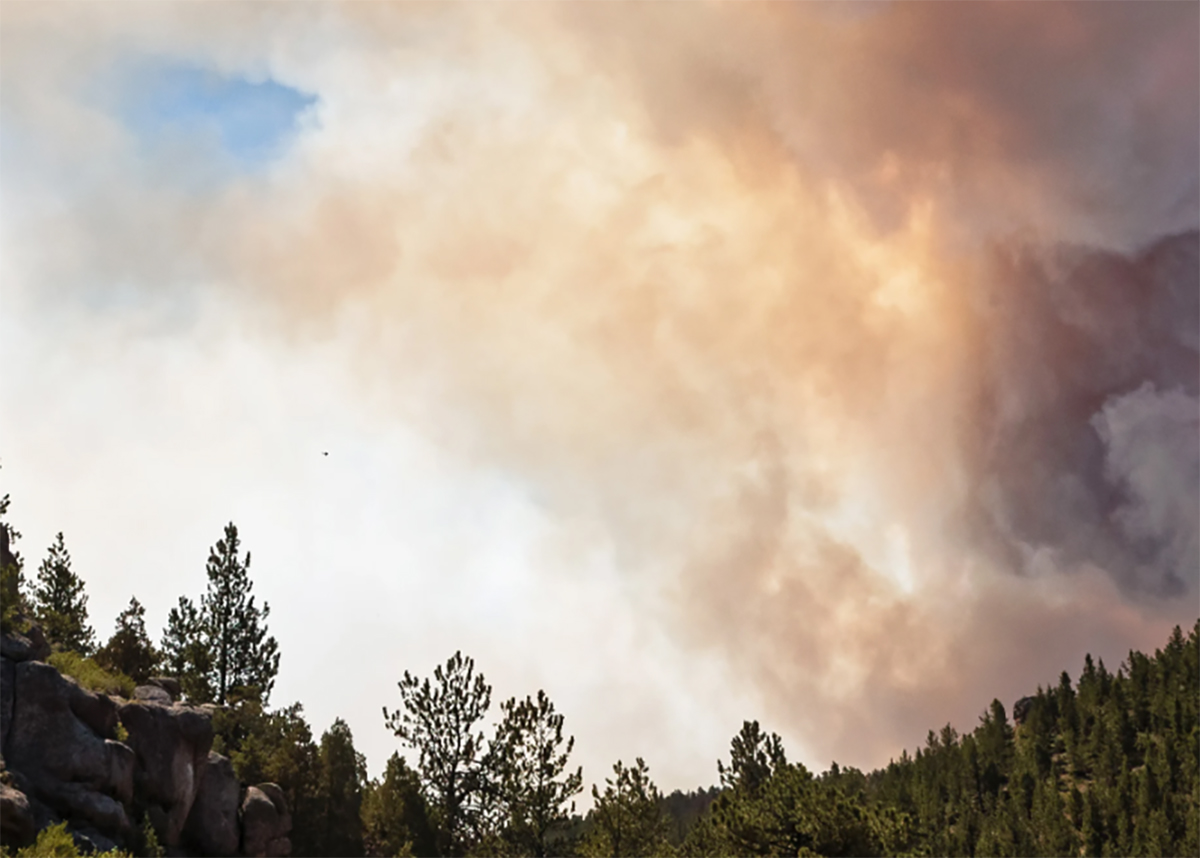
(22, 647)
(62, 760)
(16, 816)
(265, 822)
(212, 826)
(171, 744)
(62, 741)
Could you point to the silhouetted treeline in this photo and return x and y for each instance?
(1105, 765)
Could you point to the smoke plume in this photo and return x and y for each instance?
(864, 337)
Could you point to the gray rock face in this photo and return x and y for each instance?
(30, 646)
(7, 677)
(171, 744)
(58, 728)
(58, 741)
(152, 694)
(168, 684)
(60, 749)
(16, 817)
(212, 826)
(266, 823)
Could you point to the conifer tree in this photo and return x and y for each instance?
(244, 657)
(221, 650)
(526, 763)
(394, 814)
(628, 814)
(129, 649)
(12, 579)
(341, 774)
(60, 604)
(439, 721)
(222, 647)
(185, 652)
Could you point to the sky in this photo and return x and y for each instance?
(831, 365)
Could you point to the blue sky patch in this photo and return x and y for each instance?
(251, 122)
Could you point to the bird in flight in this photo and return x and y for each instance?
(326, 453)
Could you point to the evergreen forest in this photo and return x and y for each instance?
(1105, 763)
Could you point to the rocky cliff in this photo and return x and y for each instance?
(65, 758)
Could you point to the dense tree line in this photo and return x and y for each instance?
(1105, 765)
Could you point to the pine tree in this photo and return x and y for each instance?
(394, 815)
(60, 604)
(342, 772)
(129, 649)
(185, 651)
(628, 814)
(526, 762)
(222, 650)
(244, 657)
(12, 580)
(440, 722)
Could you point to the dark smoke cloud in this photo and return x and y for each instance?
(1089, 374)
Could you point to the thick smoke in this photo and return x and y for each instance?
(866, 343)
(1085, 438)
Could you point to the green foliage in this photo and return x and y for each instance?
(60, 604)
(341, 776)
(1109, 766)
(56, 842)
(129, 650)
(773, 807)
(274, 747)
(683, 810)
(440, 721)
(185, 653)
(243, 655)
(12, 580)
(395, 819)
(148, 845)
(222, 650)
(526, 766)
(627, 818)
(90, 675)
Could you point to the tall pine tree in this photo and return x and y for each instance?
(527, 765)
(440, 721)
(222, 650)
(60, 604)
(244, 657)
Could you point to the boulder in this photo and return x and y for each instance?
(265, 822)
(152, 694)
(168, 684)
(89, 841)
(171, 744)
(59, 733)
(17, 826)
(82, 803)
(121, 760)
(212, 825)
(57, 743)
(30, 645)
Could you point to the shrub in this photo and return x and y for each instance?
(91, 675)
(56, 842)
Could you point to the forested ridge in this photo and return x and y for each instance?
(1107, 763)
